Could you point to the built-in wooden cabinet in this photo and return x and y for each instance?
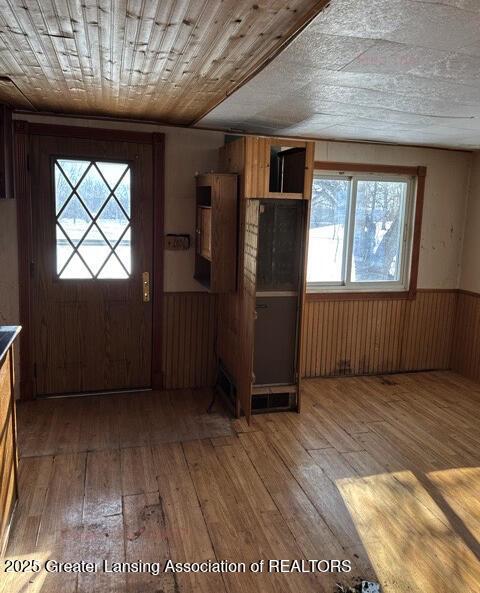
(8, 448)
(216, 231)
(270, 167)
(259, 326)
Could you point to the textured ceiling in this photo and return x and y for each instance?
(403, 71)
(169, 60)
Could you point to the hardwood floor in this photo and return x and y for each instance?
(381, 471)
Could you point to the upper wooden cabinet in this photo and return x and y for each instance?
(270, 167)
(216, 231)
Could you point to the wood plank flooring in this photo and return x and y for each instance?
(381, 471)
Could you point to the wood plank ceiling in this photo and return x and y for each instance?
(169, 60)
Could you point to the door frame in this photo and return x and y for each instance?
(23, 131)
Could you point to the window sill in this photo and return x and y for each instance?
(359, 296)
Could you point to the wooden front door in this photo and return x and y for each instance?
(92, 225)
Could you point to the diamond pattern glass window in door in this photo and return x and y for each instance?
(93, 205)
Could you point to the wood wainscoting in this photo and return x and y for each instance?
(466, 345)
(435, 330)
(189, 322)
(366, 337)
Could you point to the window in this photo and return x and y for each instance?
(360, 232)
(92, 201)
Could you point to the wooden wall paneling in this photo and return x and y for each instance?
(302, 296)
(208, 361)
(118, 58)
(338, 337)
(6, 152)
(400, 306)
(470, 336)
(236, 311)
(447, 328)
(309, 169)
(188, 359)
(158, 257)
(248, 301)
(195, 337)
(25, 253)
(428, 330)
(305, 339)
(460, 337)
(466, 349)
(257, 164)
(361, 337)
(232, 156)
(473, 329)
(235, 328)
(232, 159)
(249, 171)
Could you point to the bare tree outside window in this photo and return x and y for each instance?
(92, 204)
(358, 231)
(377, 240)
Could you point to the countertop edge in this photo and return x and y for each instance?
(14, 330)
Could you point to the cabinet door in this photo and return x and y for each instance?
(7, 450)
(275, 340)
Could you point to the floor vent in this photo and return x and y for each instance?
(274, 402)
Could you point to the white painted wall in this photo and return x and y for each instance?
(446, 191)
(470, 278)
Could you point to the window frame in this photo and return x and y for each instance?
(54, 161)
(405, 287)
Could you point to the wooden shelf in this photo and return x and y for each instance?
(216, 231)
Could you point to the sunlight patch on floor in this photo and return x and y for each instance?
(460, 489)
(409, 540)
(21, 582)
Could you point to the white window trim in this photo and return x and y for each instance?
(406, 246)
